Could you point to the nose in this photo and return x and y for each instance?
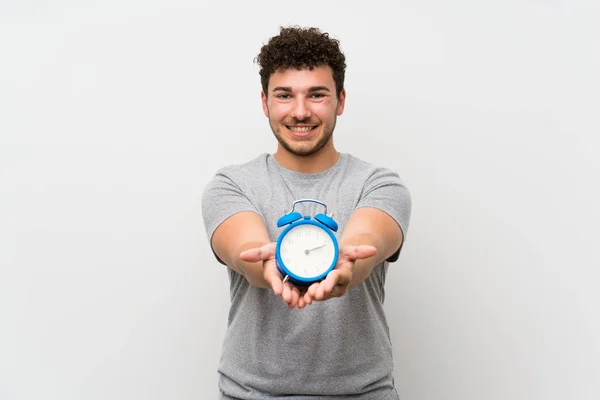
(301, 111)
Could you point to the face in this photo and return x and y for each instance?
(302, 107)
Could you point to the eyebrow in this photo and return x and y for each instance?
(311, 89)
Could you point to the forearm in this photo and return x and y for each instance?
(371, 226)
(252, 271)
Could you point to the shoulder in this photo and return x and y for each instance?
(370, 171)
(243, 170)
(248, 179)
(241, 174)
(384, 189)
(232, 189)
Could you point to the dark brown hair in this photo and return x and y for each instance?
(299, 48)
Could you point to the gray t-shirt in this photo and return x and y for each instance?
(335, 349)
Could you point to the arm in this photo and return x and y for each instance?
(242, 231)
(242, 242)
(370, 237)
(371, 226)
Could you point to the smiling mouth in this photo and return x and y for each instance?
(300, 130)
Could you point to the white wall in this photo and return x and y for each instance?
(115, 114)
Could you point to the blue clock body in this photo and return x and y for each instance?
(320, 223)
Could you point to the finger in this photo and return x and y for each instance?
(301, 302)
(259, 253)
(295, 297)
(312, 290)
(320, 291)
(358, 252)
(307, 298)
(276, 283)
(273, 277)
(287, 293)
(334, 285)
(338, 291)
(342, 276)
(330, 281)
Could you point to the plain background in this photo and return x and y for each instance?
(115, 114)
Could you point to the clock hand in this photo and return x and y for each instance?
(315, 248)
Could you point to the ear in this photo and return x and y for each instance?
(263, 98)
(341, 103)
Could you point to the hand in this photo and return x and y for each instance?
(337, 281)
(292, 295)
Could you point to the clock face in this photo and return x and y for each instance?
(307, 250)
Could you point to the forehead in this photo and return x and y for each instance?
(303, 79)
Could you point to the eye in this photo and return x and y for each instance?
(317, 95)
(283, 96)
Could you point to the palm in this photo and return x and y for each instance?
(270, 269)
(344, 261)
(334, 285)
(288, 292)
(338, 280)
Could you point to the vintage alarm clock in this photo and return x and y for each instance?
(306, 249)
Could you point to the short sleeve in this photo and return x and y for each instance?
(385, 190)
(221, 199)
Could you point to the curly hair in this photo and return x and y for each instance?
(299, 48)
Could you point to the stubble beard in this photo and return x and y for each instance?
(309, 151)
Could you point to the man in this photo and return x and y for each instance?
(330, 340)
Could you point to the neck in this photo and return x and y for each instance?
(310, 164)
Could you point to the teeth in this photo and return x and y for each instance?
(300, 128)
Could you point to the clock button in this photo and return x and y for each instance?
(306, 217)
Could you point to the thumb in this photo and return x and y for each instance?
(358, 252)
(262, 253)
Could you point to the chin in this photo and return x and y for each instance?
(304, 151)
